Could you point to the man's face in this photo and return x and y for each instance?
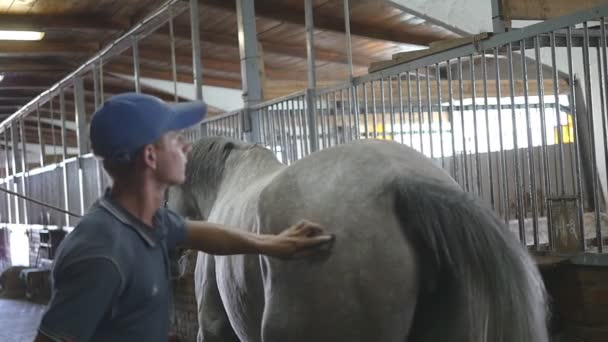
(171, 152)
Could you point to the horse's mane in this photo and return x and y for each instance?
(208, 157)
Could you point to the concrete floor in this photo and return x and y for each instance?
(19, 320)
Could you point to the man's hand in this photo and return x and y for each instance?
(299, 240)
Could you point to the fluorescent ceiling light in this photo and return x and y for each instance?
(21, 35)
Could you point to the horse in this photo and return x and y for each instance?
(415, 258)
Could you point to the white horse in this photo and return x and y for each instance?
(415, 258)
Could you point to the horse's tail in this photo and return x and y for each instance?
(478, 284)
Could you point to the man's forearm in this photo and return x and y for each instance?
(219, 240)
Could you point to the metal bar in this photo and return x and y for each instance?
(531, 166)
(401, 112)
(484, 64)
(440, 113)
(283, 131)
(392, 113)
(30, 199)
(53, 131)
(375, 115)
(503, 162)
(429, 108)
(451, 118)
(312, 119)
(195, 34)
(173, 58)
(96, 95)
(419, 101)
(294, 133)
(356, 113)
(349, 50)
(305, 126)
(366, 113)
(498, 19)
(604, 99)
(41, 143)
(518, 192)
(82, 132)
(577, 177)
(596, 185)
(475, 128)
(136, 71)
(561, 183)
(335, 112)
(383, 109)
(23, 167)
(310, 44)
(7, 169)
(323, 113)
(546, 177)
(342, 105)
(101, 95)
(64, 149)
(464, 142)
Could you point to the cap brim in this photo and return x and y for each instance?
(187, 114)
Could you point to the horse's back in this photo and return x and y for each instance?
(347, 190)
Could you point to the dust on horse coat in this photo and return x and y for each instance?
(415, 258)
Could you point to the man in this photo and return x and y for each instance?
(110, 278)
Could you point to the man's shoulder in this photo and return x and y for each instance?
(97, 235)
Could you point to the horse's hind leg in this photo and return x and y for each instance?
(214, 325)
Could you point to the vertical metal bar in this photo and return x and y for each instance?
(604, 98)
(531, 165)
(96, 97)
(82, 132)
(401, 112)
(518, 192)
(390, 100)
(24, 168)
(335, 112)
(101, 95)
(375, 115)
(366, 112)
(173, 58)
(53, 129)
(484, 64)
(328, 118)
(545, 160)
(440, 113)
(419, 101)
(498, 20)
(383, 108)
(7, 169)
(40, 136)
(464, 142)
(16, 155)
(136, 71)
(429, 108)
(451, 118)
(294, 132)
(596, 185)
(503, 161)
(310, 44)
(300, 127)
(64, 151)
(284, 125)
(561, 183)
(197, 68)
(577, 177)
(342, 105)
(306, 138)
(323, 113)
(349, 50)
(356, 113)
(311, 117)
(475, 127)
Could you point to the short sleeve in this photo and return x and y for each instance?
(175, 226)
(83, 293)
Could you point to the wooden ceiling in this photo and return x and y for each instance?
(77, 29)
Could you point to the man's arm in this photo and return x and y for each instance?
(298, 240)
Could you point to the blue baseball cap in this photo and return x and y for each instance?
(127, 122)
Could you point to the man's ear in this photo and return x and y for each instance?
(149, 156)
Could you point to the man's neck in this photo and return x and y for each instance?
(140, 200)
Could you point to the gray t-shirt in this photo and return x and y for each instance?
(111, 277)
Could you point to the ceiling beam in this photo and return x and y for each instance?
(33, 66)
(46, 48)
(285, 13)
(543, 9)
(62, 22)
